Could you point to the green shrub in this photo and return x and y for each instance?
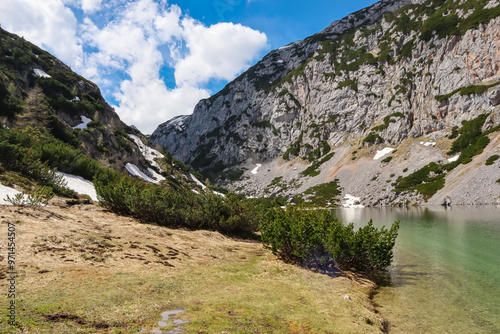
(9, 105)
(311, 170)
(373, 138)
(491, 160)
(235, 174)
(468, 90)
(406, 50)
(263, 124)
(294, 149)
(305, 236)
(353, 84)
(471, 141)
(322, 194)
(387, 160)
(422, 180)
(176, 208)
(442, 26)
(36, 154)
(41, 196)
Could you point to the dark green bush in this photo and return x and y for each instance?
(311, 170)
(294, 149)
(353, 84)
(323, 193)
(9, 105)
(470, 134)
(304, 236)
(422, 181)
(176, 208)
(491, 160)
(373, 138)
(442, 26)
(388, 159)
(18, 152)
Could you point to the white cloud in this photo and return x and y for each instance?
(220, 51)
(49, 24)
(91, 6)
(150, 103)
(127, 53)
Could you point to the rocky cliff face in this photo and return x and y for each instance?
(395, 74)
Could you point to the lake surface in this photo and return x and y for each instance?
(445, 276)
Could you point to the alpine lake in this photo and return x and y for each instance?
(445, 274)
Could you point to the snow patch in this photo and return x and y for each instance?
(198, 182)
(453, 159)
(280, 61)
(178, 122)
(4, 191)
(382, 152)
(83, 125)
(352, 202)
(158, 177)
(256, 169)
(40, 73)
(80, 185)
(75, 99)
(429, 143)
(149, 153)
(134, 170)
(286, 46)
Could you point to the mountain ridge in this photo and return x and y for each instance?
(416, 72)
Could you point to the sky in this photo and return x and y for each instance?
(155, 59)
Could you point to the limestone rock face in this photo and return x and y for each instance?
(380, 72)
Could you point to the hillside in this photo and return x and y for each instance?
(418, 79)
(83, 269)
(62, 119)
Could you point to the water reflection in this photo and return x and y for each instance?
(445, 277)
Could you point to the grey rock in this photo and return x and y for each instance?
(252, 121)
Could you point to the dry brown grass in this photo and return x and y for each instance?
(83, 269)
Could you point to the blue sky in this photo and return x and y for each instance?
(153, 59)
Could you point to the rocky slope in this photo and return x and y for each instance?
(395, 74)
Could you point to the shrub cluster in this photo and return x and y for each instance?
(491, 160)
(175, 208)
(22, 151)
(304, 236)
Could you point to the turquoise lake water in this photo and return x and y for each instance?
(445, 276)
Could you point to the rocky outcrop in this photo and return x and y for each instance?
(394, 71)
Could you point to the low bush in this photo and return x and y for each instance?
(491, 160)
(373, 138)
(322, 194)
(41, 196)
(304, 236)
(176, 208)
